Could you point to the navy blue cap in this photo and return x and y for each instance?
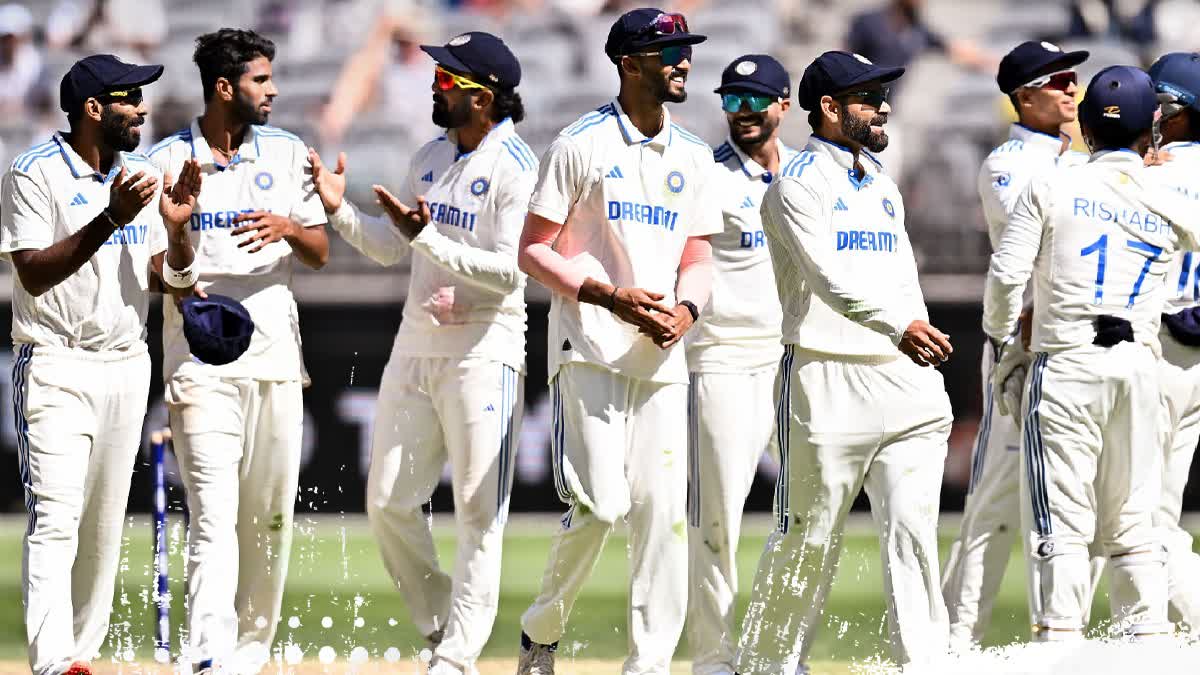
(756, 73)
(634, 32)
(218, 328)
(1120, 101)
(93, 75)
(480, 54)
(1178, 74)
(1031, 60)
(834, 72)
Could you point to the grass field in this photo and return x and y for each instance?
(339, 597)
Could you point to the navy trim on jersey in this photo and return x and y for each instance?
(1035, 453)
(693, 456)
(508, 402)
(723, 152)
(981, 441)
(558, 440)
(19, 372)
(783, 423)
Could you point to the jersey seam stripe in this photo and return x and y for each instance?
(30, 161)
(797, 166)
(783, 422)
(1034, 457)
(687, 135)
(594, 115)
(20, 372)
(981, 441)
(583, 127)
(41, 147)
(524, 147)
(515, 155)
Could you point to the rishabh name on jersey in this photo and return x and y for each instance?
(859, 223)
(1010, 167)
(50, 193)
(479, 199)
(1179, 174)
(1091, 247)
(267, 173)
(628, 204)
(739, 329)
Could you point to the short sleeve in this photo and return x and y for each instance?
(307, 209)
(25, 213)
(560, 181)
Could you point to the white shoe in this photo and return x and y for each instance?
(536, 659)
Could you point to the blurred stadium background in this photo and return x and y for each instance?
(351, 79)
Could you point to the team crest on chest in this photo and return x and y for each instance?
(675, 182)
(479, 186)
(264, 180)
(889, 208)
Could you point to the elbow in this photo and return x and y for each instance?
(525, 260)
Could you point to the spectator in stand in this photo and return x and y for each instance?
(22, 82)
(1122, 20)
(896, 33)
(124, 27)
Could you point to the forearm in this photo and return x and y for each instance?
(180, 253)
(41, 270)
(695, 272)
(311, 245)
(373, 236)
(492, 270)
(1001, 306)
(537, 258)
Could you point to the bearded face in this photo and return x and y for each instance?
(865, 127)
(120, 130)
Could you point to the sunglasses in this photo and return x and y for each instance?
(130, 96)
(874, 98)
(732, 103)
(447, 80)
(1060, 81)
(666, 24)
(671, 56)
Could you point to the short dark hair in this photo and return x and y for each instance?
(226, 52)
(1114, 139)
(814, 119)
(1193, 118)
(507, 104)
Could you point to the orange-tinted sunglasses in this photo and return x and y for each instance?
(447, 80)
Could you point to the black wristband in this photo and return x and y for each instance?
(612, 298)
(109, 217)
(691, 308)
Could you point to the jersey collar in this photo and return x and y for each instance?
(80, 168)
(1186, 146)
(752, 169)
(845, 159)
(201, 152)
(633, 136)
(1037, 139)
(1122, 157)
(498, 134)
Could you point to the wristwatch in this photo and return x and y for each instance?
(691, 308)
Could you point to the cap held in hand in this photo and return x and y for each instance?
(218, 328)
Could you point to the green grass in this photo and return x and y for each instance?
(336, 572)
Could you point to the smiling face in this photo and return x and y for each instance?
(666, 83)
(748, 128)
(120, 122)
(1049, 106)
(254, 92)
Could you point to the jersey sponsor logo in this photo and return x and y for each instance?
(753, 239)
(865, 240)
(889, 208)
(633, 212)
(448, 214)
(130, 234)
(213, 220)
(78, 200)
(264, 180)
(747, 203)
(675, 182)
(840, 205)
(1098, 210)
(615, 173)
(479, 186)
(427, 178)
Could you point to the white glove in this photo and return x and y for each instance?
(1008, 378)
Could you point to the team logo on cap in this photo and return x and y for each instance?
(745, 68)
(889, 208)
(459, 41)
(1112, 111)
(1051, 47)
(479, 186)
(675, 182)
(264, 180)
(863, 59)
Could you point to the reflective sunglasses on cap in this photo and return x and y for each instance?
(1060, 81)
(873, 98)
(672, 55)
(733, 102)
(447, 80)
(666, 24)
(130, 96)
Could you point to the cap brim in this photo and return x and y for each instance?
(752, 87)
(138, 76)
(1067, 60)
(877, 75)
(445, 58)
(668, 41)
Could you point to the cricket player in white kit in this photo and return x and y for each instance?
(76, 224)
(238, 426)
(454, 385)
(733, 354)
(1176, 77)
(1098, 250)
(617, 230)
(1039, 79)
(856, 409)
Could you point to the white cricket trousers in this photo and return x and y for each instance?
(238, 443)
(618, 450)
(79, 421)
(432, 410)
(1091, 471)
(731, 423)
(1181, 394)
(846, 426)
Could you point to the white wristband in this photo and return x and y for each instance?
(180, 278)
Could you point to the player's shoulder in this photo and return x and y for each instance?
(515, 155)
(179, 140)
(26, 161)
(272, 140)
(1008, 149)
(591, 125)
(804, 166)
(136, 161)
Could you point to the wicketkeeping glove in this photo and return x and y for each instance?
(1008, 377)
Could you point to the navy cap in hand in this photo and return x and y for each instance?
(757, 73)
(1178, 74)
(100, 73)
(218, 328)
(1120, 102)
(1031, 60)
(834, 72)
(645, 30)
(482, 55)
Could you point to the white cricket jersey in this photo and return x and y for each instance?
(628, 204)
(1182, 174)
(269, 173)
(1094, 245)
(50, 193)
(466, 295)
(844, 266)
(1010, 167)
(739, 329)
